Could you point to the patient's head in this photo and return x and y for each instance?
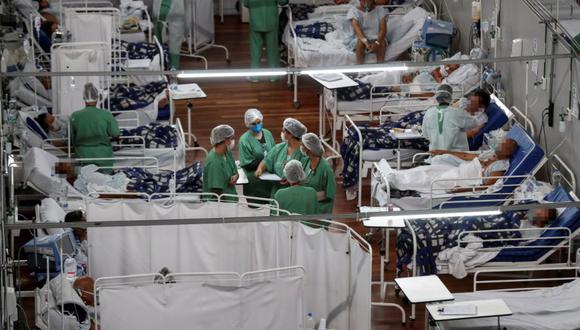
(478, 101)
(84, 286)
(46, 121)
(67, 169)
(77, 216)
(48, 27)
(506, 149)
(43, 4)
(542, 216)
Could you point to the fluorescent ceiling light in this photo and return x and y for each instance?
(232, 73)
(436, 215)
(355, 69)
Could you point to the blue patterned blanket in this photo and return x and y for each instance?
(360, 92)
(188, 180)
(144, 50)
(155, 135)
(133, 97)
(436, 235)
(316, 30)
(375, 138)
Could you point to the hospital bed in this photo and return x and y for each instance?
(514, 250)
(534, 301)
(39, 174)
(394, 112)
(383, 84)
(168, 156)
(403, 29)
(524, 163)
(236, 247)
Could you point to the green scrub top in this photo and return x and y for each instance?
(217, 172)
(91, 132)
(264, 14)
(297, 199)
(250, 149)
(322, 179)
(446, 126)
(277, 158)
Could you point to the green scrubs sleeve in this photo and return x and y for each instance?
(216, 178)
(113, 128)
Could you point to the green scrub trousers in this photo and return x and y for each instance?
(251, 150)
(91, 132)
(277, 159)
(264, 29)
(322, 179)
(297, 199)
(217, 172)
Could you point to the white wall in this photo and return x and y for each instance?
(517, 21)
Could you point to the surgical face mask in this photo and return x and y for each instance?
(368, 7)
(231, 145)
(256, 128)
(56, 126)
(283, 137)
(303, 150)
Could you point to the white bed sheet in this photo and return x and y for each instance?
(333, 52)
(555, 308)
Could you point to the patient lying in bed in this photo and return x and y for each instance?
(454, 171)
(90, 180)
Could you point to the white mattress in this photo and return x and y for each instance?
(555, 308)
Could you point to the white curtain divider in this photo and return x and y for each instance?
(67, 91)
(271, 299)
(338, 274)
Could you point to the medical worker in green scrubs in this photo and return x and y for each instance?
(319, 174)
(254, 145)
(92, 130)
(296, 198)
(220, 172)
(280, 154)
(446, 126)
(170, 13)
(264, 29)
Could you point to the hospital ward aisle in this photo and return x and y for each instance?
(226, 103)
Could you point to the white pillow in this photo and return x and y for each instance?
(51, 212)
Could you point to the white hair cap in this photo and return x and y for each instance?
(90, 93)
(251, 115)
(220, 133)
(293, 171)
(312, 143)
(294, 127)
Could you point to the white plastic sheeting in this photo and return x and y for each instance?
(89, 27)
(67, 91)
(199, 16)
(337, 267)
(271, 299)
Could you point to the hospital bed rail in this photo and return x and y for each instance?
(566, 241)
(525, 122)
(350, 123)
(524, 280)
(399, 93)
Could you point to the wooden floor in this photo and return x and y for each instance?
(226, 103)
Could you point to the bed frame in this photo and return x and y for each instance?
(566, 243)
(390, 109)
(293, 49)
